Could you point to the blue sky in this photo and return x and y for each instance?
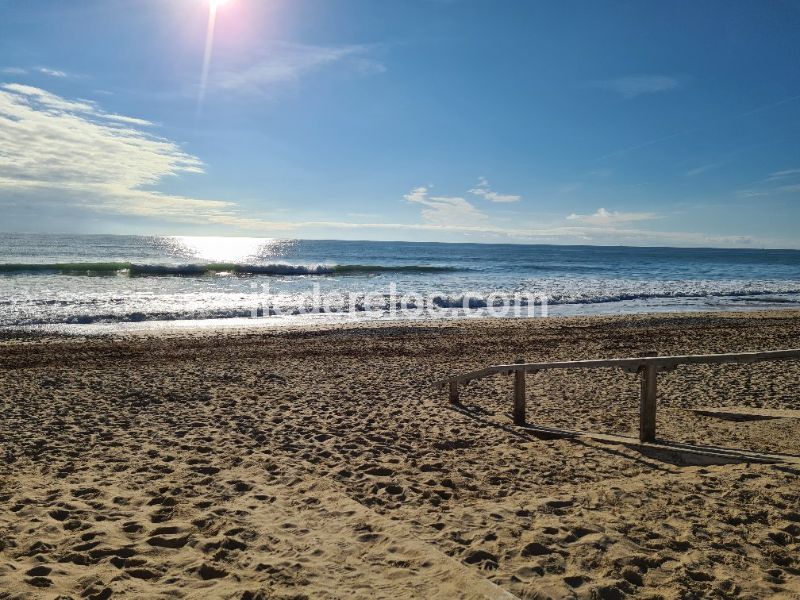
(639, 123)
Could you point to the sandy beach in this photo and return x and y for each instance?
(323, 463)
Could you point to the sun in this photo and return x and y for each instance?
(215, 4)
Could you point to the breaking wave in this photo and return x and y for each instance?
(201, 269)
(80, 312)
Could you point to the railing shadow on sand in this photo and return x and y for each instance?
(647, 444)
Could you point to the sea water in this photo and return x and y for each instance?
(83, 280)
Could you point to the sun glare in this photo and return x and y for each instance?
(213, 5)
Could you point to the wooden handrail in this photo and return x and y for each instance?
(629, 364)
(649, 368)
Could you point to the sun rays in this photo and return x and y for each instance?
(213, 7)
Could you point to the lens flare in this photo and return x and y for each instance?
(213, 5)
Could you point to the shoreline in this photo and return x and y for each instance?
(321, 462)
(267, 325)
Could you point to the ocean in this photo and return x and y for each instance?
(107, 282)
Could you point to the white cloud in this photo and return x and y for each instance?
(43, 70)
(47, 101)
(702, 169)
(72, 150)
(630, 87)
(127, 120)
(483, 190)
(56, 152)
(606, 217)
(51, 72)
(284, 62)
(787, 174)
(445, 210)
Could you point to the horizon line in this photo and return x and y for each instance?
(389, 241)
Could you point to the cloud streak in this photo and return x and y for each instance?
(51, 72)
(285, 62)
(702, 169)
(483, 190)
(639, 85)
(775, 184)
(690, 131)
(606, 217)
(785, 174)
(43, 70)
(56, 151)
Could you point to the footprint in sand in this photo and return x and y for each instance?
(59, 514)
(486, 560)
(40, 582)
(208, 571)
(145, 574)
(536, 549)
(162, 515)
(168, 542)
(122, 563)
(575, 581)
(132, 527)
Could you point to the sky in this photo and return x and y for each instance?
(631, 122)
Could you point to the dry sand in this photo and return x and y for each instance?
(323, 464)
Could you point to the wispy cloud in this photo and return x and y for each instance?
(568, 188)
(84, 156)
(284, 62)
(483, 190)
(47, 101)
(606, 217)
(57, 151)
(693, 130)
(785, 174)
(43, 70)
(51, 72)
(445, 210)
(775, 184)
(638, 85)
(702, 169)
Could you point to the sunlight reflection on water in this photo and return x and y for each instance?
(224, 249)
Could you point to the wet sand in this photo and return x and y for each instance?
(322, 463)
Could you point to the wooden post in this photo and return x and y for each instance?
(647, 404)
(519, 395)
(454, 399)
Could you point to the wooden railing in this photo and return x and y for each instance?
(648, 367)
